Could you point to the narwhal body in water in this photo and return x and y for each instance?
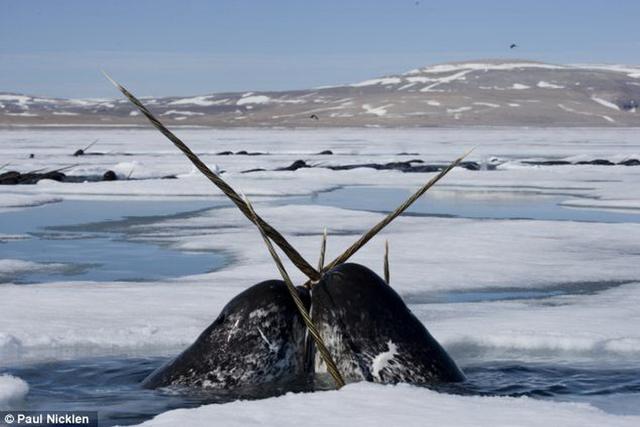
(346, 320)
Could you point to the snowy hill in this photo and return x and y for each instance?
(478, 93)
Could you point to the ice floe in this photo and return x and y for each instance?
(12, 391)
(401, 405)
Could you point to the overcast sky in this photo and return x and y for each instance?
(57, 48)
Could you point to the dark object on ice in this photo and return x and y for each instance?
(82, 151)
(169, 177)
(374, 335)
(406, 166)
(247, 153)
(628, 105)
(254, 170)
(109, 176)
(9, 178)
(31, 156)
(472, 166)
(298, 164)
(314, 117)
(546, 162)
(598, 162)
(513, 45)
(224, 153)
(33, 178)
(630, 162)
(258, 338)
(14, 177)
(404, 153)
(409, 166)
(325, 153)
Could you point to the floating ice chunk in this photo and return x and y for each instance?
(12, 391)
(519, 86)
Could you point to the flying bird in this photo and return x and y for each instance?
(513, 45)
(314, 117)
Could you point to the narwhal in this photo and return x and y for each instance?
(345, 320)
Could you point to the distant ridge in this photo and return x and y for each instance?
(490, 92)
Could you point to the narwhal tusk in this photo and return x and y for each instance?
(277, 238)
(90, 145)
(393, 215)
(323, 248)
(313, 331)
(387, 277)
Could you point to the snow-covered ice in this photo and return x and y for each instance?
(402, 405)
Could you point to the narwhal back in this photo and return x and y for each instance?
(371, 333)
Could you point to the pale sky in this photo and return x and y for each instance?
(161, 47)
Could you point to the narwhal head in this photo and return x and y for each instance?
(257, 339)
(372, 334)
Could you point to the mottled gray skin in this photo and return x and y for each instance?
(372, 334)
(258, 338)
